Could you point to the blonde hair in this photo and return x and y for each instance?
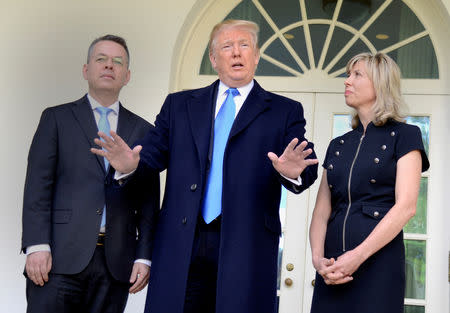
(385, 76)
(249, 26)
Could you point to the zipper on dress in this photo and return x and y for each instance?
(348, 191)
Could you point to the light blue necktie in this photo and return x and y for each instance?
(103, 125)
(212, 206)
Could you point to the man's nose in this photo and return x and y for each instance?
(236, 50)
(109, 63)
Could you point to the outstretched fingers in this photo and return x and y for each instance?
(292, 145)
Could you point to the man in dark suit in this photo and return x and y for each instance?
(216, 242)
(88, 242)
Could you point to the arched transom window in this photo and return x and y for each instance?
(304, 37)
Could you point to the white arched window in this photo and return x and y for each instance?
(298, 38)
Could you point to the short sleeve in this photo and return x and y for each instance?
(410, 139)
(327, 155)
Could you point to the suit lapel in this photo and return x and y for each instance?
(83, 114)
(257, 102)
(200, 111)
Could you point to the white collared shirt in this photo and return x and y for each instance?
(239, 99)
(113, 117)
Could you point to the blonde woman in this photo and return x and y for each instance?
(368, 192)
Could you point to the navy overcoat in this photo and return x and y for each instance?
(251, 227)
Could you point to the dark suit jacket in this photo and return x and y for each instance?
(67, 186)
(251, 227)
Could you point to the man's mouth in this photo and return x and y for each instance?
(237, 65)
(108, 76)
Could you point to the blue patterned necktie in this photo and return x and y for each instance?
(212, 206)
(103, 126)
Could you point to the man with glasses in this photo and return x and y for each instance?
(88, 242)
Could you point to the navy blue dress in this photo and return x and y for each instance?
(361, 173)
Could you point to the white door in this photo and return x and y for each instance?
(426, 235)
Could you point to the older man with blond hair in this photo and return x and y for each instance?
(216, 243)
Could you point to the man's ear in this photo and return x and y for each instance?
(258, 56)
(212, 59)
(85, 69)
(127, 79)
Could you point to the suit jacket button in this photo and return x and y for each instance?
(184, 221)
(193, 187)
(99, 211)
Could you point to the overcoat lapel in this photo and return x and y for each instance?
(257, 102)
(125, 124)
(200, 112)
(85, 117)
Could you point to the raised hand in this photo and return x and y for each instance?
(293, 160)
(118, 153)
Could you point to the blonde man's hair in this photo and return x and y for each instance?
(249, 26)
(385, 76)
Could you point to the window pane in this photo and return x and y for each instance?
(356, 13)
(415, 252)
(423, 122)
(298, 43)
(414, 309)
(278, 51)
(397, 21)
(341, 124)
(265, 68)
(358, 47)
(282, 15)
(417, 59)
(320, 9)
(418, 224)
(338, 41)
(318, 35)
(283, 221)
(206, 67)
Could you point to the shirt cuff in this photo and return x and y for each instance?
(144, 261)
(38, 248)
(297, 182)
(119, 175)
